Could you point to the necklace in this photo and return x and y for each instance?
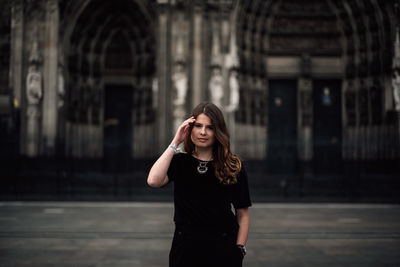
(202, 168)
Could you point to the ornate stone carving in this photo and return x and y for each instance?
(363, 105)
(34, 90)
(154, 89)
(17, 5)
(216, 86)
(233, 91)
(376, 102)
(298, 7)
(52, 5)
(315, 44)
(35, 9)
(396, 71)
(305, 87)
(397, 11)
(96, 104)
(180, 82)
(60, 88)
(350, 105)
(396, 89)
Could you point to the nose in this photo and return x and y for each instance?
(203, 131)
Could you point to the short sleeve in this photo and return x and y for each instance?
(241, 195)
(172, 169)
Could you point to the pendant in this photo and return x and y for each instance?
(202, 168)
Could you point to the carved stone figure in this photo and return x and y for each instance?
(154, 89)
(60, 88)
(216, 86)
(396, 72)
(234, 91)
(396, 89)
(34, 93)
(180, 84)
(34, 78)
(34, 86)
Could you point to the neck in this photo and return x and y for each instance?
(203, 154)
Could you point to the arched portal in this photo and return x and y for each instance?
(110, 65)
(331, 50)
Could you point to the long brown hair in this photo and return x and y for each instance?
(227, 166)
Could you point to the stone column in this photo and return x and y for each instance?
(17, 39)
(60, 144)
(16, 61)
(231, 62)
(34, 95)
(396, 70)
(164, 123)
(49, 121)
(197, 50)
(180, 84)
(305, 137)
(304, 127)
(216, 84)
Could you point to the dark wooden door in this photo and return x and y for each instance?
(117, 127)
(282, 126)
(327, 126)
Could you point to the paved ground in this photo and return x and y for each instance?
(139, 234)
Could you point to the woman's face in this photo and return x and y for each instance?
(203, 132)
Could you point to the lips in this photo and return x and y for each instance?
(202, 139)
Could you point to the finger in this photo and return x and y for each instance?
(188, 121)
(187, 128)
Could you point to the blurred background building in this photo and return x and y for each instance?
(92, 91)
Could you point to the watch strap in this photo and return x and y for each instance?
(174, 148)
(242, 248)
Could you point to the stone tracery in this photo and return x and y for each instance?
(358, 33)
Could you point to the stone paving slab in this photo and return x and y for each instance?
(117, 234)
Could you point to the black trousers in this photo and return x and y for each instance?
(194, 247)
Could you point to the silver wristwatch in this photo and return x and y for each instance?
(242, 248)
(174, 148)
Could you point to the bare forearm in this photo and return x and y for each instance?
(243, 219)
(158, 172)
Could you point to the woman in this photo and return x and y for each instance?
(208, 180)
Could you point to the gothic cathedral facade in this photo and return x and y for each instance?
(298, 81)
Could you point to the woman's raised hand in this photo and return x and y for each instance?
(182, 131)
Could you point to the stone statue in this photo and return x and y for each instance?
(34, 78)
(154, 89)
(34, 86)
(180, 84)
(60, 88)
(396, 72)
(234, 91)
(34, 93)
(396, 89)
(216, 86)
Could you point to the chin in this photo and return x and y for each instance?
(203, 145)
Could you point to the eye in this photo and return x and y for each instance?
(210, 127)
(197, 125)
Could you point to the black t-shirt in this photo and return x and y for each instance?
(201, 200)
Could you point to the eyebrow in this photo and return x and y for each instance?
(202, 124)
